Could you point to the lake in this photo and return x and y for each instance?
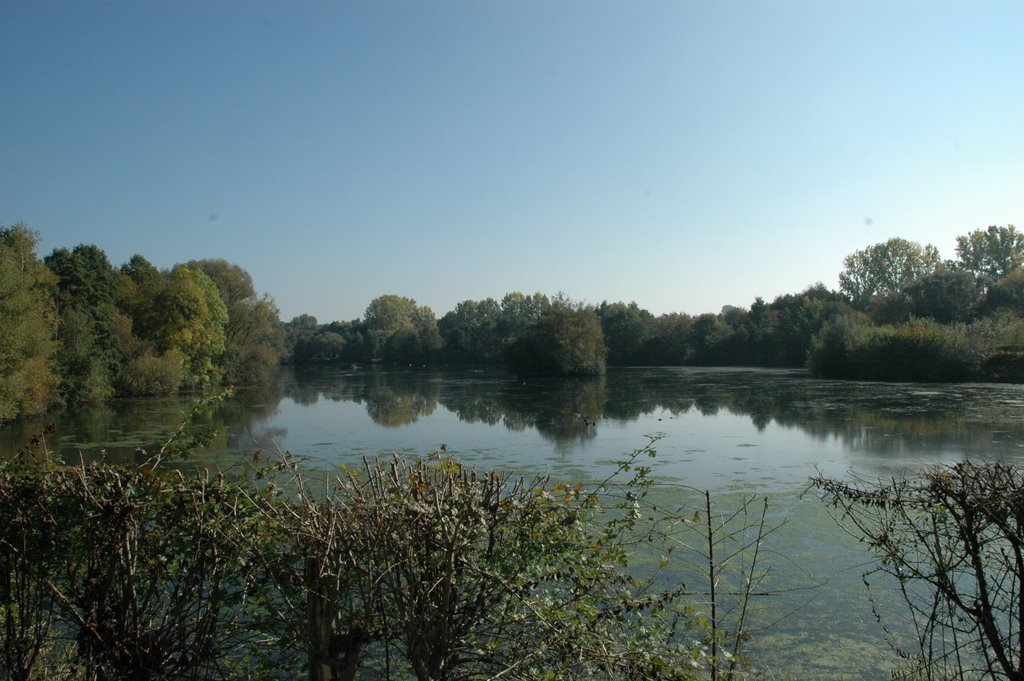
(734, 432)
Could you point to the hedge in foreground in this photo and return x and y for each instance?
(427, 569)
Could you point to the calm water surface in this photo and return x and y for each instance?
(732, 431)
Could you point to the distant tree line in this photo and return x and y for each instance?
(532, 334)
(901, 313)
(538, 334)
(76, 329)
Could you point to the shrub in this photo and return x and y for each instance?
(953, 539)
(832, 348)
(150, 375)
(920, 350)
(427, 569)
(461, 574)
(122, 573)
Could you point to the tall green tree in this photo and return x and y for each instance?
(186, 317)
(1006, 294)
(566, 340)
(28, 324)
(470, 332)
(798, 318)
(319, 347)
(945, 295)
(299, 330)
(140, 280)
(626, 330)
(252, 334)
(670, 344)
(88, 355)
(147, 370)
(885, 269)
(995, 251)
(519, 312)
(710, 338)
(399, 330)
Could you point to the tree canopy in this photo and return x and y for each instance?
(995, 251)
(566, 340)
(252, 337)
(28, 323)
(82, 330)
(884, 269)
(399, 329)
(471, 331)
(86, 296)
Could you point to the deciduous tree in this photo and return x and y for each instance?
(187, 317)
(566, 340)
(626, 330)
(885, 268)
(27, 326)
(1006, 294)
(995, 251)
(953, 539)
(252, 334)
(88, 357)
(470, 331)
(399, 330)
(945, 295)
(519, 311)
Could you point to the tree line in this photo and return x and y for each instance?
(900, 313)
(77, 329)
(558, 336)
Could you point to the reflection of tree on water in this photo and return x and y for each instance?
(479, 398)
(242, 423)
(392, 398)
(389, 407)
(880, 419)
(130, 430)
(302, 393)
(561, 410)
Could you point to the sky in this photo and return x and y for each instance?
(682, 155)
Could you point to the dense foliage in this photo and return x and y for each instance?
(565, 340)
(426, 570)
(953, 321)
(252, 333)
(27, 325)
(539, 334)
(77, 329)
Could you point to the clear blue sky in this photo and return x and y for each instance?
(685, 155)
